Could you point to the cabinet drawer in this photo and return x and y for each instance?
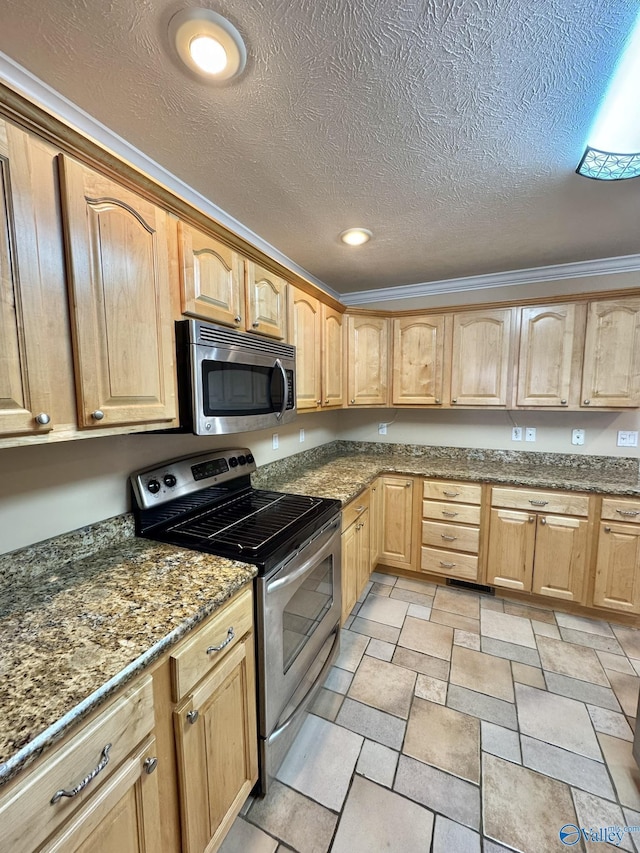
(450, 536)
(445, 490)
(193, 660)
(354, 509)
(439, 562)
(459, 513)
(27, 814)
(563, 503)
(621, 510)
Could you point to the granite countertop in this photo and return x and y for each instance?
(73, 631)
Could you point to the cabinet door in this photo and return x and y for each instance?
(418, 360)
(212, 278)
(396, 523)
(481, 353)
(121, 311)
(305, 336)
(349, 544)
(364, 551)
(617, 585)
(217, 748)
(266, 300)
(332, 358)
(559, 566)
(367, 360)
(375, 519)
(611, 371)
(124, 816)
(547, 366)
(512, 537)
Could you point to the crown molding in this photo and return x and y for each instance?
(532, 275)
(35, 90)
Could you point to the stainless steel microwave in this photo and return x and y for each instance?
(232, 382)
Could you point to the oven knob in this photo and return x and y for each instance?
(153, 486)
(233, 462)
(250, 458)
(242, 460)
(169, 480)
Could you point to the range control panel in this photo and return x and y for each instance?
(178, 477)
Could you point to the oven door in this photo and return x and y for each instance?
(298, 620)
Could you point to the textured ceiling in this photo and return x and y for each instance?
(450, 128)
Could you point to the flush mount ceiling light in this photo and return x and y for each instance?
(208, 44)
(356, 236)
(613, 145)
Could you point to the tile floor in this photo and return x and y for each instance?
(455, 722)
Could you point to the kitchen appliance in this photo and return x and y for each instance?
(206, 502)
(232, 382)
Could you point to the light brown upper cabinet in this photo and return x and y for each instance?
(332, 358)
(266, 302)
(306, 324)
(419, 359)
(211, 278)
(118, 268)
(367, 360)
(551, 339)
(481, 357)
(611, 371)
(36, 369)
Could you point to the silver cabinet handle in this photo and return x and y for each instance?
(630, 512)
(98, 415)
(237, 319)
(543, 521)
(43, 418)
(449, 514)
(607, 530)
(447, 565)
(448, 538)
(192, 716)
(104, 760)
(587, 402)
(230, 635)
(538, 503)
(150, 765)
(450, 494)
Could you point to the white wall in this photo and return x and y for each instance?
(46, 490)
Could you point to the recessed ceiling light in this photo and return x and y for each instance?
(208, 44)
(356, 236)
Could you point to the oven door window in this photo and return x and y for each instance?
(240, 389)
(306, 609)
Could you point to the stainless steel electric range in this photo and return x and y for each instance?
(207, 503)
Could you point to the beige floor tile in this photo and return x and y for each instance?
(298, 821)
(523, 809)
(381, 589)
(582, 691)
(593, 641)
(482, 673)
(573, 661)
(426, 637)
(431, 689)
(615, 663)
(450, 836)
(375, 629)
(454, 620)
(556, 720)
(501, 742)
(419, 611)
(425, 664)
(389, 611)
(442, 792)
(468, 639)
(543, 629)
(384, 686)
(526, 674)
(623, 769)
(424, 587)
(509, 629)
(610, 723)
(444, 738)
(378, 763)
(626, 689)
(411, 596)
(352, 647)
(510, 651)
(482, 706)
(372, 723)
(566, 766)
(629, 639)
(488, 603)
(327, 704)
(595, 812)
(582, 623)
(380, 649)
(377, 819)
(455, 601)
(243, 837)
(383, 577)
(540, 614)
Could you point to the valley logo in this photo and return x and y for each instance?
(571, 834)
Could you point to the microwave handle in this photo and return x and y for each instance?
(285, 396)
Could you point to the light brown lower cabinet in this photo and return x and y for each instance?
(617, 584)
(397, 547)
(356, 551)
(450, 529)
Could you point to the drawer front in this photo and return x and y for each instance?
(27, 814)
(210, 643)
(621, 510)
(450, 536)
(446, 490)
(563, 503)
(458, 513)
(354, 509)
(452, 565)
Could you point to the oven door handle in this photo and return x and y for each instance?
(285, 394)
(280, 583)
(320, 679)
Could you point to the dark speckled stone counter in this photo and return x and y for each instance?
(73, 631)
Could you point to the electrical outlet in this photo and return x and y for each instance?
(301, 436)
(516, 434)
(382, 429)
(530, 434)
(627, 438)
(275, 443)
(577, 437)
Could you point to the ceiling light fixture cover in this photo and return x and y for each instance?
(208, 44)
(613, 146)
(356, 236)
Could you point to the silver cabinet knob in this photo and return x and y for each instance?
(255, 325)
(543, 521)
(352, 402)
(150, 765)
(318, 402)
(587, 402)
(407, 484)
(43, 418)
(532, 518)
(563, 402)
(326, 402)
(192, 717)
(98, 415)
(455, 400)
(237, 319)
(438, 401)
(607, 530)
